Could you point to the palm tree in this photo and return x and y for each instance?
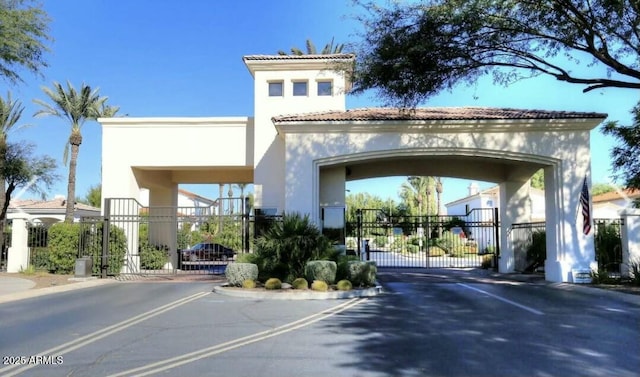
(328, 49)
(10, 113)
(242, 187)
(77, 107)
(416, 194)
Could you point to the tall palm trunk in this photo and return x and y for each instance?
(3, 190)
(75, 140)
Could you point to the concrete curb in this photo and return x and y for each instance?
(83, 283)
(296, 294)
(599, 292)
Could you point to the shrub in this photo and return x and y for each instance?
(286, 246)
(272, 284)
(40, 258)
(436, 251)
(487, 261)
(63, 247)
(413, 249)
(380, 241)
(344, 285)
(321, 270)
(247, 258)
(153, 257)
(249, 284)
(635, 273)
(237, 273)
(448, 241)
(362, 274)
(320, 286)
(537, 250)
(608, 246)
(300, 283)
(342, 271)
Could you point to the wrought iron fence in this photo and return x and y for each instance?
(608, 244)
(529, 245)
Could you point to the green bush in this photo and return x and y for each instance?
(285, 247)
(487, 261)
(362, 274)
(321, 270)
(380, 241)
(320, 286)
(237, 273)
(63, 247)
(344, 285)
(449, 241)
(436, 251)
(342, 271)
(153, 257)
(92, 246)
(413, 249)
(608, 247)
(40, 258)
(635, 272)
(249, 284)
(537, 250)
(300, 283)
(273, 284)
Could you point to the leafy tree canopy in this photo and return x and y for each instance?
(413, 50)
(601, 188)
(93, 196)
(23, 37)
(626, 156)
(21, 169)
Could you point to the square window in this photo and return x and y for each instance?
(299, 88)
(275, 89)
(324, 88)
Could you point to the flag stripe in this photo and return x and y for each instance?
(586, 208)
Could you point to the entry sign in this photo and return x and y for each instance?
(581, 275)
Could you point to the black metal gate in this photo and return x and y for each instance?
(470, 240)
(162, 240)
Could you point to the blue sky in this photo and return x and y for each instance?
(184, 58)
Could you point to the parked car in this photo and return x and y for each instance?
(207, 251)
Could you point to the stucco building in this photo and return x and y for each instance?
(301, 145)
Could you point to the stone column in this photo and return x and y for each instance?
(18, 254)
(630, 233)
(515, 207)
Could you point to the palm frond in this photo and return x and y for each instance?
(10, 113)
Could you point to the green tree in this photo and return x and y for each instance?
(413, 50)
(23, 38)
(21, 169)
(77, 107)
(93, 196)
(602, 188)
(361, 200)
(537, 180)
(418, 195)
(329, 48)
(626, 156)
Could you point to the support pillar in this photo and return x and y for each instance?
(18, 253)
(630, 233)
(515, 207)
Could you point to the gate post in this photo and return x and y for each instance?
(359, 231)
(496, 228)
(105, 239)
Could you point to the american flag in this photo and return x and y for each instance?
(586, 208)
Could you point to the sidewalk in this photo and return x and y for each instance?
(17, 288)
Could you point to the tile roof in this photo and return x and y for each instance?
(434, 113)
(58, 203)
(614, 195)
(299, 57)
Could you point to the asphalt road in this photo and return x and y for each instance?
(426, 324)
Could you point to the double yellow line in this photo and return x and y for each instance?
(177, 361)
(97, 335)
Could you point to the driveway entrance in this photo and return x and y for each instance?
(426, 241)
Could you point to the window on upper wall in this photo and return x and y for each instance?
(300, 88)
(275, 89)
(325, 88)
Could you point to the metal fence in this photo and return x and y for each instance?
(608, 244)
(529, 245)
(469, 240)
